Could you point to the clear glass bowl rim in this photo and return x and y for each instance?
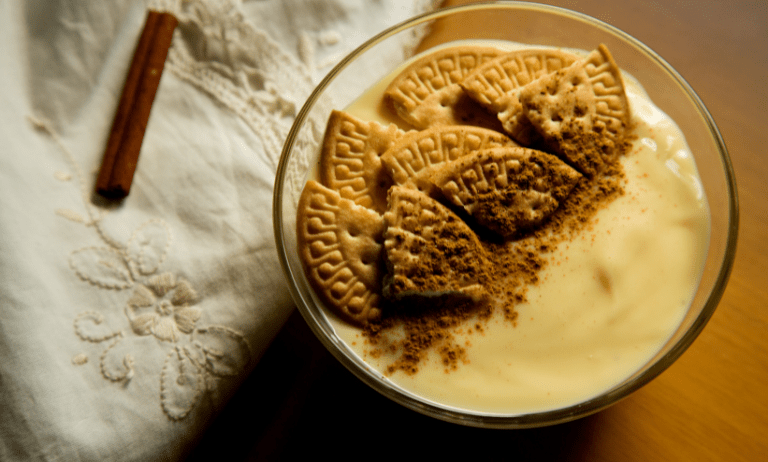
(550, 417)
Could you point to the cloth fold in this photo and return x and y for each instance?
(125, 327)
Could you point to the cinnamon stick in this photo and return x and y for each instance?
(122, 152)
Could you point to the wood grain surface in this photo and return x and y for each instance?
(712, 404)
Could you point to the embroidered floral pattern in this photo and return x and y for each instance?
(157, 303)
(162, 308)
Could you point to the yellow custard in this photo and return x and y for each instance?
(607, 301)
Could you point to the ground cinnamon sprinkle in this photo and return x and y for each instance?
(410, 330)
(450, 251)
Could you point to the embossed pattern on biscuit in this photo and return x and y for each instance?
(350, 159)
(340, 247)
(581, 111)
(429, 250)
(496, 85)
(426, 93)
(411, 158)
(507, 189)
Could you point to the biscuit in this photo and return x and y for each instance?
(350, 159)
(430, 251)
(581, 112)
(496, 85)
(507, 189)
(427, 93)
(340, 247)
(412, 157)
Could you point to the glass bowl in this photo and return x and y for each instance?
(533, 24)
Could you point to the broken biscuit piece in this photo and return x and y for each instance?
(340, 246)
(507, 189)
(430, 251)
(581, 111)
(427, 93)
(497, 84)
(350, 160)
(412, 157)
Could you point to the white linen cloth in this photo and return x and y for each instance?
(124, 328)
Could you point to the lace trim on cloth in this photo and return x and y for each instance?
(218, 51)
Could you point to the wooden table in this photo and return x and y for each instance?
(712, 404)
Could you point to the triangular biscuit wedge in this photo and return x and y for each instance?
(507, 189)
(412, 157)
(430, 251)
(497, 84)
(350, 159)
(581, 111)
(340, 245)
(427, 93)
